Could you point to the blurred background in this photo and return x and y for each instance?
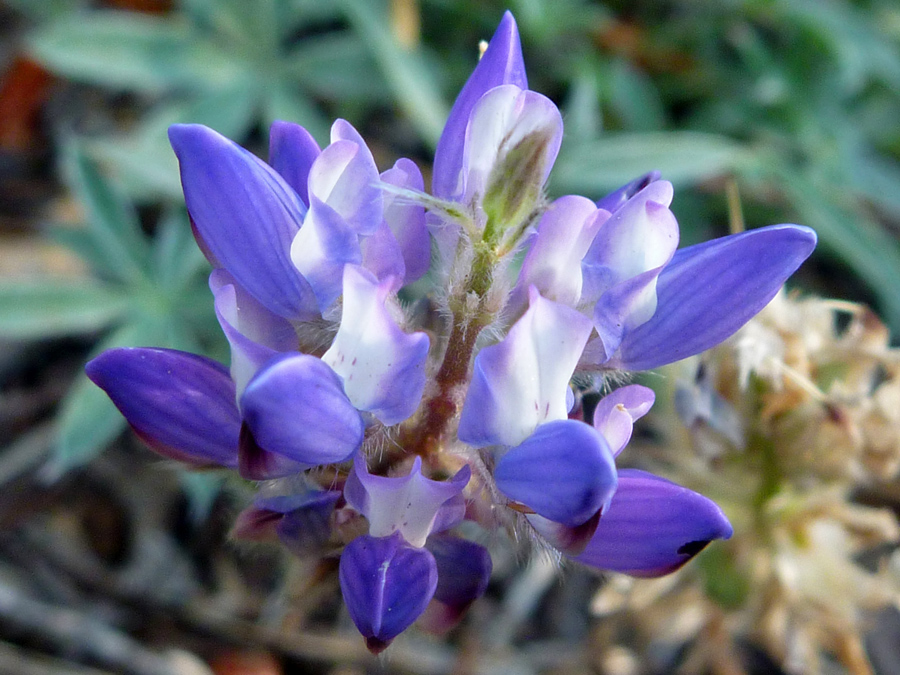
(759, 111)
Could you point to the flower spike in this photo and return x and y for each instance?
(393, 374)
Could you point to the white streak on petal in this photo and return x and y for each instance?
(500, 120)
(640, 236)
(321, 248)
(345, 177)
(382, 367)
(522, 381)
(406, 504)
(553, 263)
(254, 333)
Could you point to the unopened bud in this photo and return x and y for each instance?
(516, 182)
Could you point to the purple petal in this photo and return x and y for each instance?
(565, 538)
(254, 333)
(464, 569)
(254, 463)
(411, 504)
(307, 528)
(292, 151)
(710, 290)
(523, 381)
(181, 405)
(501, 64)
(564, 471)
(381, 255)
(383, 368)
(407, 221)
(553, 262)
(296, 407)
(246, 216)
(653, 527)
(616, 413)
(345, 177)
(321, 249)
(617, 198)
(386, 585)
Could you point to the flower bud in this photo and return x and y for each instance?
(516, 183)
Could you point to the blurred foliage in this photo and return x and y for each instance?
(231, 65)
(140, 291)
(795, 102)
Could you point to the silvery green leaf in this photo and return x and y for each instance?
(581, 110)
(336, 66)
(111, 219)
(287, 102)
(176, 257)
(131, 51)
(872, 253)
(684, 158)
(633, 96)
(413, 82)
(44, 309)
(144, 158)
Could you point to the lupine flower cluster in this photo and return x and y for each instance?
(375, 427)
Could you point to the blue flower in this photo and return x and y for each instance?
(425, 417)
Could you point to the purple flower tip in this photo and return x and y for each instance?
(180, 404)
(386, 584)
(617, 198)
(653, 527)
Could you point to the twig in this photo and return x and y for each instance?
(17, 661)
(67, 629)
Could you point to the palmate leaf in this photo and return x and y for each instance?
(860, 48)
(46, 10)
(46, 309)
(581, 109)
(131, 51)
(633, 97)
(684, 157)
(335, 66)
(111, 220)
(285, 101)
(177, 260)
(145, 161)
